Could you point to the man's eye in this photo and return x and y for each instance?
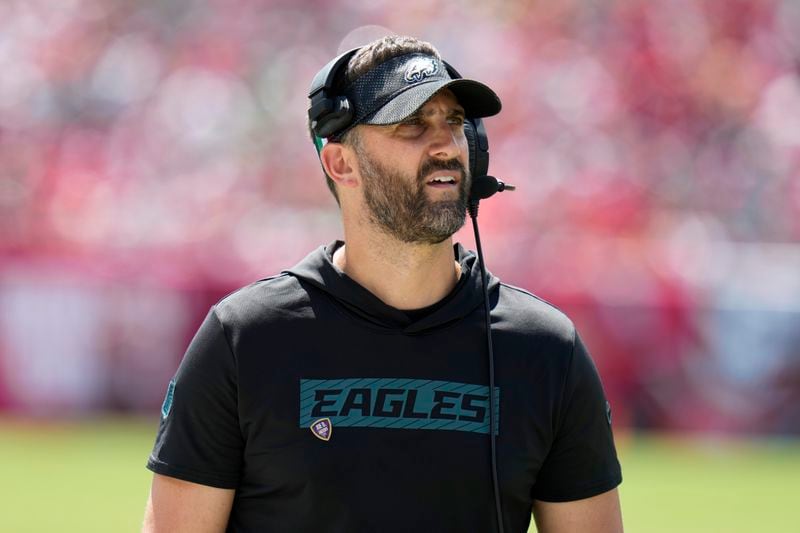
(411, 128)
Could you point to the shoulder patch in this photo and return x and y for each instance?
(167, 405)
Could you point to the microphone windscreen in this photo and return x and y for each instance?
(483, 187)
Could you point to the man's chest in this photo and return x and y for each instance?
(395, 412)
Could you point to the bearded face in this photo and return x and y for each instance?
(401, 205)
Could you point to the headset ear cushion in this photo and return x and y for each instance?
(335, 120)
(478, 159)
(469, 133)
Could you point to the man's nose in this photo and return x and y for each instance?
(445, 142)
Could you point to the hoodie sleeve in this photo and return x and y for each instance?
(199, 438)
(582, 461)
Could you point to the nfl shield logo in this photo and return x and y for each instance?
(322, 429)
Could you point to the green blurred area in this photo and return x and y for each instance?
(89, 476)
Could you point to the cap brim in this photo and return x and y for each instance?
(477, 99)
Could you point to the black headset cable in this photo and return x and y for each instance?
(483, 187)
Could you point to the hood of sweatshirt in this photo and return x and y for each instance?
(318, 270)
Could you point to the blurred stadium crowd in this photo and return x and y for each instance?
(153, 156)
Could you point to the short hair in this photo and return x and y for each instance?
(367, 58)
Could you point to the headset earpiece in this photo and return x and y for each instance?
(329, 113)
(335, 114)
(478, 144)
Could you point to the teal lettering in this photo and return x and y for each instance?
(320, 402)
(440, 402)
(395, 406)
(408, 411)
(357, 400)
(468, 404)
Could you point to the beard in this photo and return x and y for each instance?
(401, 207)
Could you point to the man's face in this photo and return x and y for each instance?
(414, 174)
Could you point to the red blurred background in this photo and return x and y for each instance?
(153, 157)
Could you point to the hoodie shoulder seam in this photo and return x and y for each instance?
(535, 297)
(253, 284)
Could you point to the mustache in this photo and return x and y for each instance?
(432, 165)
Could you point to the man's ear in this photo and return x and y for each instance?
(338, 160)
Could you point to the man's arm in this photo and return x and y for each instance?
(598, 514)
(177, 506)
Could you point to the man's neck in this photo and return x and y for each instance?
(402, 275)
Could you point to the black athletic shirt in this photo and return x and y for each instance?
(329, 411)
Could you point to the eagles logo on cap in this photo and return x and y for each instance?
(420, 68)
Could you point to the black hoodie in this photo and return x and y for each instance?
(328, 410)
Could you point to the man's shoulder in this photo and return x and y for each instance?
(280, 286)
(261, 300)
(531, 313)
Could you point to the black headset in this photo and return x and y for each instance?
(331, 114)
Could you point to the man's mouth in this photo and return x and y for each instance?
(443, 181)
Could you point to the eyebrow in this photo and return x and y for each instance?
(455, 112)
(458, 112)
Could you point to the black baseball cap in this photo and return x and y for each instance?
(396, 88)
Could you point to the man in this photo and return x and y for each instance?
(349, 393)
